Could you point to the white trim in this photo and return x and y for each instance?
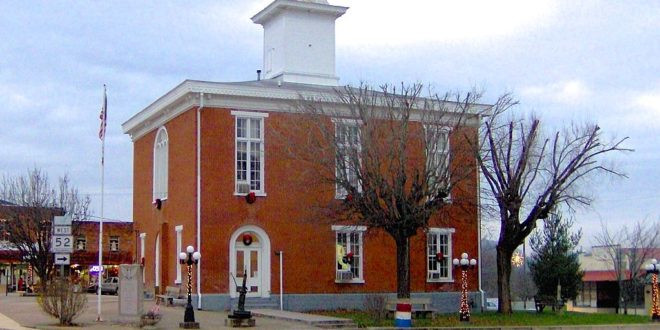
(269, 98)
(349, 121)
(248, 140)
(340, 193)
(160, 174)
(143, 236)
(249, 114)
(256, 193)
(179, 230)
(264, 264)
(348, 228)
(272, 9)
(157, 262)
(198, 213)
(441, 231)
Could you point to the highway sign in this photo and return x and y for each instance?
(61, 230)
(62, 259)
(62, 244)
(64, 220)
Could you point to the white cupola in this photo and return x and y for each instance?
(299, 41)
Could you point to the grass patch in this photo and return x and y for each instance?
(364, 319)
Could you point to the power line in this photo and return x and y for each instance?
(109, 219)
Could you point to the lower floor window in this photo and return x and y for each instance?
(349, 253)
(438, 254)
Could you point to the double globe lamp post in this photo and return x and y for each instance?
(653, 268)
(464, 264)
(189, 258)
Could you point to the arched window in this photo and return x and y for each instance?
(160, 164)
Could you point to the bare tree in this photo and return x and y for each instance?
(29, 220)
(386, 152)
(626, 250)
(528, 174)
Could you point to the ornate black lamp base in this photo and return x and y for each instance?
(464, 317)
(189, 325)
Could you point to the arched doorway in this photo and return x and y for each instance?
(249, 256)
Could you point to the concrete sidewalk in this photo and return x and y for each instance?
(23, 312)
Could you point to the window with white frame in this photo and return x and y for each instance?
(437, 158)
(347, 138)
(438, 254)
(250, 160)
(81, 243)
(114, 243)
(349, 253)
(160, 165)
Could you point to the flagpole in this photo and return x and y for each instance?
(104, 117)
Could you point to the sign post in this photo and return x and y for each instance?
(61, 244)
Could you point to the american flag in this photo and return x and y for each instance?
(104, 115)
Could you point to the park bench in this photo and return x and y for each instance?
(421, 307)
(540, 302)
(172, 296)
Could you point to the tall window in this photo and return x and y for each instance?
(249, 152)
(347, 137)
(437, 158)
(349, 253)
(160, 164)
(438, 254)
(114, 243)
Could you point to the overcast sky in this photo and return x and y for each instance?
(596, 61)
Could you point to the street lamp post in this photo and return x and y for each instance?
(189, 258)
(653, 268)
(464, 264)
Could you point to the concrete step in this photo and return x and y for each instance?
(258, 303)
(319, 321)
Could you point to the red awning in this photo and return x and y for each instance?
(602, 276)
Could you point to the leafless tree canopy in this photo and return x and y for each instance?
(28, 222)
(626, 251)
(392, 155)
(372, 145)
(528, 173)
(63, 300)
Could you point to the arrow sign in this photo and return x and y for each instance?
(62, 258)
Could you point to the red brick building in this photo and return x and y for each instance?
(191, 174)
(118, 248)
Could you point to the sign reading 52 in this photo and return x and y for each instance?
(62, 244)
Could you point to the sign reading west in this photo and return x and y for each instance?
(61, 230)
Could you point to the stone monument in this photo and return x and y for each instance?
(130, 291)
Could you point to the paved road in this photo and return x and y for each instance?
(23, 312)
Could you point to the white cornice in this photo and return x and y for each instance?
(235, 96)
(278, 5)
(219, 95)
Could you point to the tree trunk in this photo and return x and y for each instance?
(402, 267)
(503, 279)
